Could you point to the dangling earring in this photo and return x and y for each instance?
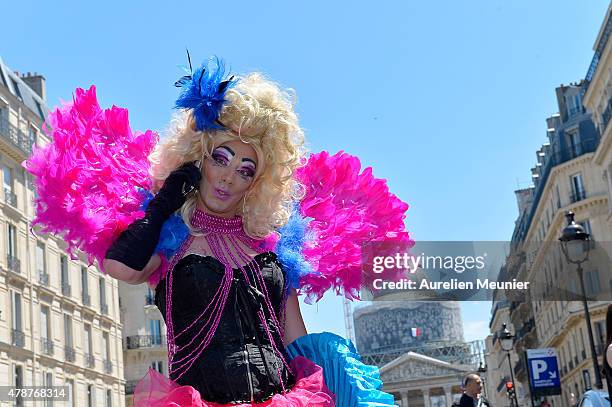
(243, 206)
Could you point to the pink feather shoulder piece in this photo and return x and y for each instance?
(87, 176)
(347, 209)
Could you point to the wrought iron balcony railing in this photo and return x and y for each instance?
(69, 354)
(18, 138)
(108, 366)
(90, 361)
(47, 346)
(130, 386)
(578, 195)
(13, 264)
(104, 308)
(66, 289)
(17, 338)
(43, 278)
(145, 341)
(86, 299)
(10, 197)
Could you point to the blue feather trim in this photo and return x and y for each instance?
(354, 383)
(293, 235)
(174, 231)
(204, 93)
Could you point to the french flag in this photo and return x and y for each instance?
(416, 332)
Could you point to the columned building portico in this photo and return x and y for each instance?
(416, 380)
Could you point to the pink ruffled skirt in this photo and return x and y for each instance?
(156, 390)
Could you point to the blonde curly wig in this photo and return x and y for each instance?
(259, 113)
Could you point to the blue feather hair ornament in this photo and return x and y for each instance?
(203, 92)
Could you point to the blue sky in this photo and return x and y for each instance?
(447, 100)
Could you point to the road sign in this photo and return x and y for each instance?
(544, 374)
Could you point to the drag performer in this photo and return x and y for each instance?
(226, 240)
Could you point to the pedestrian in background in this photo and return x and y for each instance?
(472, 392)
(545, 403)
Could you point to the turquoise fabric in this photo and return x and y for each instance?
(354, 383)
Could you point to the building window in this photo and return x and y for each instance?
(45, 330)
(7, 176)
(574, 104)
(32, 135)
(47, 383)
(4, 119)
(158, 366)
(16, 312)
(68, 331)
(90, 395)
(155, 331)
(575, 148)
(88, 340)
(578, 192)
(103, 305)
(85, 285)
(18, 383)
(109, 398)
(106, 346)
(65, 279)
(70, 385)
(149, 297)
(88, 347)
(16, 88)
(40, 111)
(41, 265)
(45, 323)
(64, 268)
(11, 248)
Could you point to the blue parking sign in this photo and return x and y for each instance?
(543, 369)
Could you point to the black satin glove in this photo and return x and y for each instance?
(135, 246)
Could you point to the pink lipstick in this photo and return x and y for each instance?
(221, 194)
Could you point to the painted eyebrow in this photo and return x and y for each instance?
(228, 149)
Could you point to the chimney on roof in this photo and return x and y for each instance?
(36, 82)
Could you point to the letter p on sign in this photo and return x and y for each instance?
(537, 367)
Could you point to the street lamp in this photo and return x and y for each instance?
(507, 339)
(575, 244)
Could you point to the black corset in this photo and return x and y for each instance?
(240, 364)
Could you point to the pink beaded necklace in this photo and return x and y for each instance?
(226, 238)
